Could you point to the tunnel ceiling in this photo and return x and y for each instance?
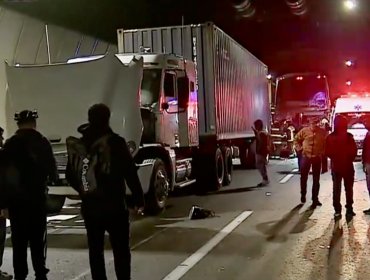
(322, 38)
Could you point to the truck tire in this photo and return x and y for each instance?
(228, 165)
(243, 156)
(157, 195)
(251, 160)
(216, 171)
(247, 157)
(54, 203)
(209, 171)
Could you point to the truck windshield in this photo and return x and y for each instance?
(355, 119)
(306, 90)
(150, 87)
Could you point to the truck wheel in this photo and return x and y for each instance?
(209, 171)
(243, 156)
(217, 171)
(54, 203)
(247, 157)
(156, 197)
(228, 164)
(251, 160)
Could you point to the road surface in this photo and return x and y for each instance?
(258, 233)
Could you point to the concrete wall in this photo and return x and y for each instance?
(23, 40)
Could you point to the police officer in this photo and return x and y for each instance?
(32, 156)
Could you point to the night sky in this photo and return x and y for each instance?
(319, 41)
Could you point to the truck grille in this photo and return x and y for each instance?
(61, 161)
(359, 144)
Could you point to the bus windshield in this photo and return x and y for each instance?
(305, 90)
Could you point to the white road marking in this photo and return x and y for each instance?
(191, 261)
(51, 218)
(71, 207)
(61, 217)
(288, 177)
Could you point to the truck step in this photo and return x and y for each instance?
(185, 183)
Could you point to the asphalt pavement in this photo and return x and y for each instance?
(257, 233)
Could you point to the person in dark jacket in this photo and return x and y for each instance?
(262, 151)
(3, 275)
(105, 209)
(366, 158)
(341, 149)
(32, 155)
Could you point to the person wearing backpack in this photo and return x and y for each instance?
(30, 154)
(262, 151)
(99, 163)
(342, 150)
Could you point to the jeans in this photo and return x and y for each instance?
(306, 164)
(348, 178)
(261, 163)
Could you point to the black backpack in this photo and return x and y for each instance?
(84, 164)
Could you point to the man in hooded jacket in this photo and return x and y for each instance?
(106, 209)
(342, 150)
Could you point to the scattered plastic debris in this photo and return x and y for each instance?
(197, 213)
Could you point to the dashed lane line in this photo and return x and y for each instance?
(191, 261)
(288, 177)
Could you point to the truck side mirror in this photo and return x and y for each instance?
(183, 92)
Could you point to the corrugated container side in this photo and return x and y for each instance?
(232, 85)
(241, 88)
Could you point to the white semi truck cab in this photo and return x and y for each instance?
(168, 100)
(185, 102)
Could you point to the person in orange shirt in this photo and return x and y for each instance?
(310, 141)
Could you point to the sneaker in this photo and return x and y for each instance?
(337, 214)
(367, 211)
(303, 199)
(350, 213)
(317, 203)
(5, 276)
(263, 183)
